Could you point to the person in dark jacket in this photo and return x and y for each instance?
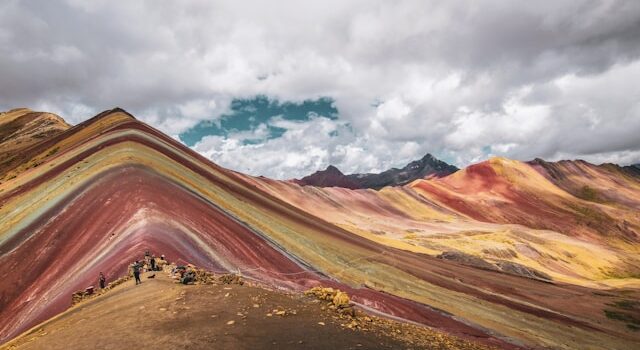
(102, 280)
(152, 262)
(136, 271)
(189, 277)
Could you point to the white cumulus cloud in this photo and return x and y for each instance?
(460, 79)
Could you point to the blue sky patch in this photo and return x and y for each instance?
(255, 114)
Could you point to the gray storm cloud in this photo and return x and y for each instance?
(460, 79)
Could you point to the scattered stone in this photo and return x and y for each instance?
(204, 277)
(338, 300)
(321, 323)
(231, 322)
(353, 325)
(341, 299)
(322, 293)
(231, 279)
(348, 311)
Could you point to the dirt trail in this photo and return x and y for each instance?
(163, 315)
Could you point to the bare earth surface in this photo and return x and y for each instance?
(161, 314)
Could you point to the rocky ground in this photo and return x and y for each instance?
(162, 314)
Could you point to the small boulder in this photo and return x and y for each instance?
(341, 300)
(348, 311)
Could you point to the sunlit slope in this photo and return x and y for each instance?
(115, 187)
(596, 240)
(606, 183)
(22, 128)
(95, 204)
(507, 191)
(499, 210)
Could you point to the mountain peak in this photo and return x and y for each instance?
(426, 166)
(330, 177)
(113, 111)
(332, 169)
(428, 156)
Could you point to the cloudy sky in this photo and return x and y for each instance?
(285, 88)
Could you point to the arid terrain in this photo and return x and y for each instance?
(162, 314)
(502, 253)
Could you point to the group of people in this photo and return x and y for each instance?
(150, 263)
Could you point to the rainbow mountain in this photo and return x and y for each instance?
(503, 252)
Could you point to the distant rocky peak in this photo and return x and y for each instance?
(332, 170)
(417, 169)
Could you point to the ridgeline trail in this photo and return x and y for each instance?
(162, 314)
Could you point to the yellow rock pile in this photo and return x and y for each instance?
(231, 279)
(337, 299)
(204, 277)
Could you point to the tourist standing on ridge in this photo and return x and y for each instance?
(136, 272)
(161, 263)
(102, 280)
(153, 263)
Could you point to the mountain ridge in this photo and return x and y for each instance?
(115, 187)
(427, 166)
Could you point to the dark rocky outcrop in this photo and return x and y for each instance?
(467, 259)
(513, 268)
(633, 169)
(503, 266)
(330, 177)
